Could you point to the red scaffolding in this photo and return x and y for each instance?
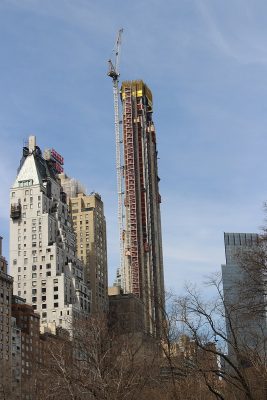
(130, 188)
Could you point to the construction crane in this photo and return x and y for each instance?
(114, 73)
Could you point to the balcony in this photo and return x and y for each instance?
(15, 211)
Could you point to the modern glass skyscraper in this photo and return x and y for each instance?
(244, 295)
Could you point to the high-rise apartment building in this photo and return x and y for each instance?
(142, 274)
(6, 283)
(46, 270)
(244, 296)
(16, 359)
(89, 224)
(32, 347)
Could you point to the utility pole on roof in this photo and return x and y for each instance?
(114, 73)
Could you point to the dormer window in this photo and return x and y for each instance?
(27, 182)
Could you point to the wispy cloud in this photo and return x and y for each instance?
(206, 68)
(234, 30)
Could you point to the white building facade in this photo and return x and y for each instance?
(46, 270)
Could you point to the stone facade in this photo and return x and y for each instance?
(89, 224)
(47, 272)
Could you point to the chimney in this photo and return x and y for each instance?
(32, 143)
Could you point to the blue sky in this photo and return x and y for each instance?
(206, 64)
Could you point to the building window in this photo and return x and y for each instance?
(34, 299)
(34, 291)
(55, 304)
(48, 273)
(43, 298)
(43, 290)
(43, 306)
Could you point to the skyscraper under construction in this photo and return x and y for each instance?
(143, 262)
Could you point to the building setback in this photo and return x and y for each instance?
(46, 270)
(89, 224)
(142, 273)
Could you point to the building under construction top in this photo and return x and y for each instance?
(143, 262)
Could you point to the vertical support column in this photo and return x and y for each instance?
(130, 187)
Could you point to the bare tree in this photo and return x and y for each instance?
(95, 364)
(205, 322)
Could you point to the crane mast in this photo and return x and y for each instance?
(114, 73)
